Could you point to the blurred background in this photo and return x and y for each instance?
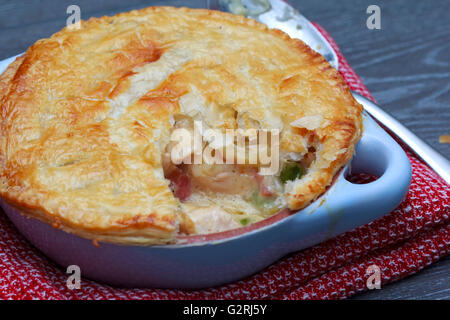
(405, 65)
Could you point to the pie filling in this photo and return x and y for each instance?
(221, 196)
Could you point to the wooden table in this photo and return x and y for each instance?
(406, 65)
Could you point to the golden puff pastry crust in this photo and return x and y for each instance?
(86, 115)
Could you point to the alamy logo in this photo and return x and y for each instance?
(73, 22)
(240, 146)
(374, 20)
(374, 280)
(74, 280)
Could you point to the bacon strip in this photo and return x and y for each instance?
(180, 184)
(263, 189)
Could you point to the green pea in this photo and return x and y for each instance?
(244, 221)
(259, 200)
(291, 171)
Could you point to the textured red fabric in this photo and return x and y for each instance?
(414, 235)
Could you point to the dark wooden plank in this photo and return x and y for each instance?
(406, 65)
(24, 22)
(27, 12)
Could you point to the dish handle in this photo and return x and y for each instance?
(357, 204)
(347, 205)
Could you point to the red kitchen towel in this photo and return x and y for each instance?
(413, 236)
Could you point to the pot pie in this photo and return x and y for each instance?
(87, 118)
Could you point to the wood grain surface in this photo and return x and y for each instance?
(406, 66)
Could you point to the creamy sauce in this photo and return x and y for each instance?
(246, 7)
(211, 219)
